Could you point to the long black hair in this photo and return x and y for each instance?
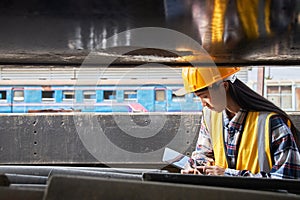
(249, 100)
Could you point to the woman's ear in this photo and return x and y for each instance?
(226, 85)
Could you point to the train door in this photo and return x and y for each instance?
(17, 100)
(160, 98)
(153, 98)
(89, 100)
(68, 99)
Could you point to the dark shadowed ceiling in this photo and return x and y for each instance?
(241, 32)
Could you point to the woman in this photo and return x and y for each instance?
(241, 133)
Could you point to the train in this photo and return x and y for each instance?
(75, 89)
(65, 97)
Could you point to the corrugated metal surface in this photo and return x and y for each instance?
(94, 74)
(40, 73)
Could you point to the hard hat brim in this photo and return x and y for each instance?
(180, 92)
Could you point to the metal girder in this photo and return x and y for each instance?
(231, 32)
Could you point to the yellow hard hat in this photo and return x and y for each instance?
(196, 78)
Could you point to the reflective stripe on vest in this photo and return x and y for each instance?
(254, 149)
(264, 155)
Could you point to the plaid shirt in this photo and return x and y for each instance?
(284, 151)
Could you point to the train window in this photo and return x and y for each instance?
(130, 95)
(2, 95)
(18, 95)
(89, 95)
(68, 95)
(160, 95)
(109, 95)
(47, 95)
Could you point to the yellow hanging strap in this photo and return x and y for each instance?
(218, 20)
(248, 11)
(267, 16)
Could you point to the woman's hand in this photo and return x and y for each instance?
(213, 170)
(205, 170)
(190, 171)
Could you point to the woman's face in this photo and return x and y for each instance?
(213, 98)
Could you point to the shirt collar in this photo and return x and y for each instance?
(236, 122)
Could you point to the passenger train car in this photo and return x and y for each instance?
(21, 94)
(149, 98)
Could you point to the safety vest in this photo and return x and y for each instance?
(254, 148)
